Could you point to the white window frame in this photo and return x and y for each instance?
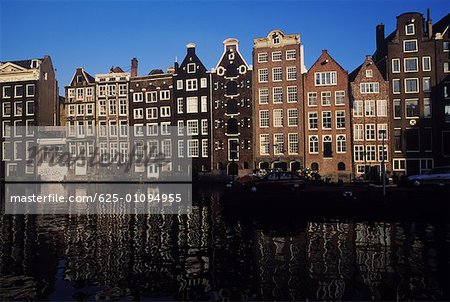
(263, 57)
(399, 66)
(152, 113)
(266, 95)
(191, 85)
(263, 75)
(277, 56)
(416, 80)
(192, 104)
(405, 60)
(291, 93)
(291, 54)
(277, 74)
(291, 115)
(291, 73)
(429, 63)
(191, 68)
(410, 51)
(164, 111)
(382, 108)
(263, 119)
(393, 86)
(164, 95)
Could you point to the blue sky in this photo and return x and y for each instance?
(100, 34)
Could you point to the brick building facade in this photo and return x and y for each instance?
(232, 112)
(151, 116)
(28, 97)
(407, 56)
(192, 111)
(441, 92)
(80, 119)
(327, 119)
(278, 101)
(370, 118)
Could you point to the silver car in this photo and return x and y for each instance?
(437, 176)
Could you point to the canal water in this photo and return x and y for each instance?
(212, 254)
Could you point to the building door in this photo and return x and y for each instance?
(280, 165)
(233, 169)
(80, 167)
(295, 166)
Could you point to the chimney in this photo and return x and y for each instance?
(429, 25)
(134, 67)
(171, 70)
(190, 48)
(380, 36)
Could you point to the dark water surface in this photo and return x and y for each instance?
(212, 255)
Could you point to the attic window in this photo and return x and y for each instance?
(409, 29)
(276, 39)
(369, 73)
(79, 78)
(191, 68)
(34, 63)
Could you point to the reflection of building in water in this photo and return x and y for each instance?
(329, 259)
(373, 257)
(203, 255)
(415, 260)
(280, 266)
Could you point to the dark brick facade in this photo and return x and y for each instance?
(192, 111)
(232, 112)
(29, 97)
(408, 58)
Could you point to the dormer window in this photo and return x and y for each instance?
(191, 68)
(276, 39)
(409, 29)
(34, 63)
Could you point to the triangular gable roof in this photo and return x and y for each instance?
(368, 60)
(87, 77)
(194, 55)
(12, 67)
(321, 58)
(228, 42)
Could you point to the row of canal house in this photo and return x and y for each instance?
(272, 114)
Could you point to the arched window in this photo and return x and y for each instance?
(341, 144)
(232, 126)
(341, 166)
(313, 144)
(232, 70)
(232, 88)
(315, 166)
(232, 107)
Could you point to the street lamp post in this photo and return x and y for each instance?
(383, 167)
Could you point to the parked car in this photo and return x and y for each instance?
(274, 182)
(436, 176)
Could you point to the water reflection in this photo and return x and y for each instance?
(206, 255)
